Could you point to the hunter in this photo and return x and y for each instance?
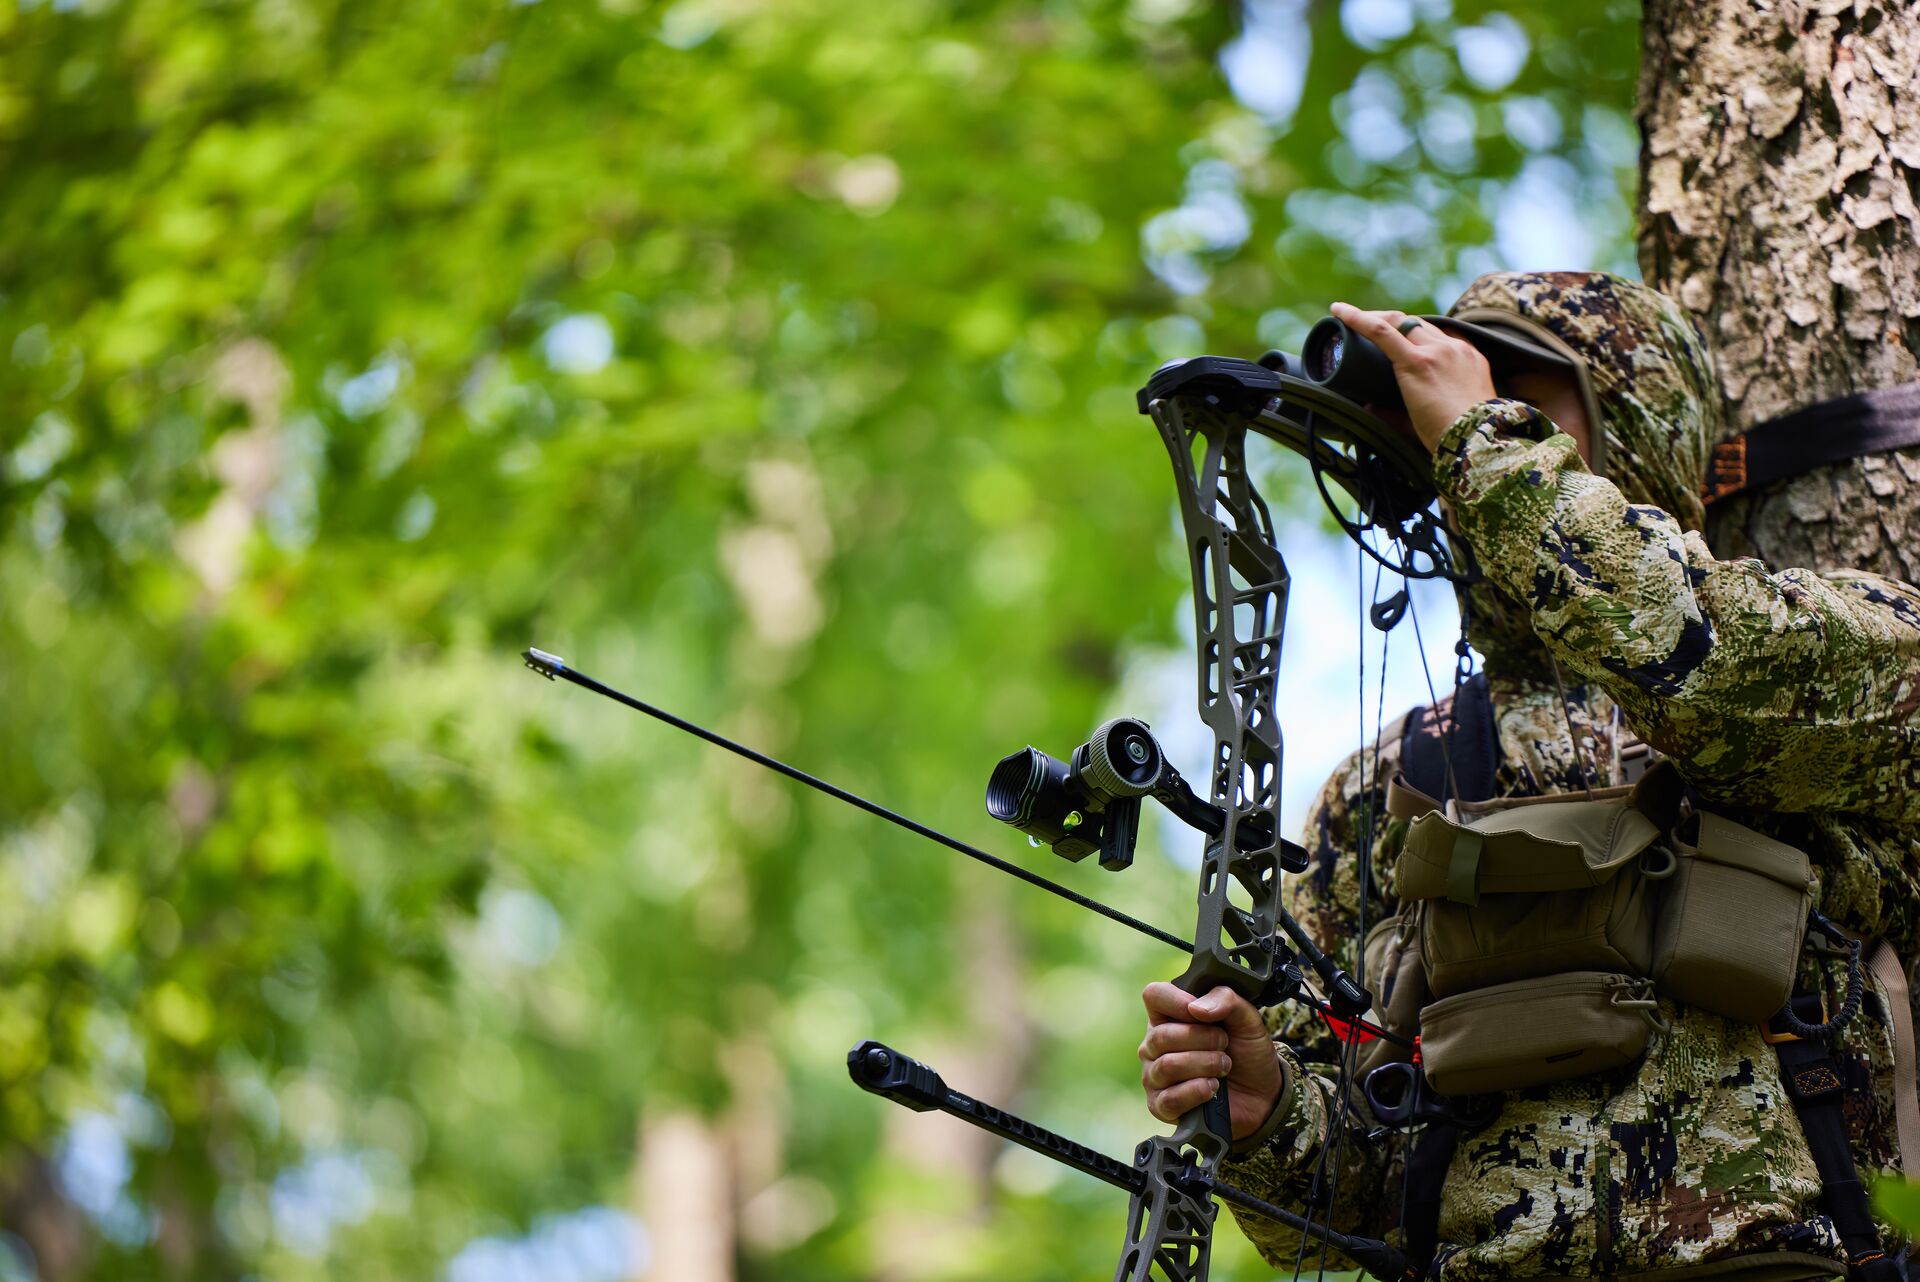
(1787, 701)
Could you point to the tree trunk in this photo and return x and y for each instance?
(685, 1197)
(42, 1218)
(1778, 204)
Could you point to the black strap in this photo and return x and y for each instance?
(1472, 741)
(1830, 432)
(1814, 1085)
(1427, 1164)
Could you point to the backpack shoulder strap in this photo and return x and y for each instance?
(1471, 743)
(1887, 967)
(1816, 1090)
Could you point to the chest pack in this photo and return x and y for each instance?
(1534, 934)
(1544, 929)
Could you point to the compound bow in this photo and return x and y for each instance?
(1243, 938)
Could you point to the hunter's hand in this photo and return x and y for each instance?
(1441, 377)
(1192, 1042)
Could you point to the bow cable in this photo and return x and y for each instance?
(1445, 734)
(1330, 1166)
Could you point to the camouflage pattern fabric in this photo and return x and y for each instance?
(1788, 691)
(1792, 700)
(1651, 374)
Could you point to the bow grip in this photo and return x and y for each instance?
(1208, 1129)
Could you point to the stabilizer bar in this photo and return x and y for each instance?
(877, 1067)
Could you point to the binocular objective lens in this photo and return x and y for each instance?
(1326, 356)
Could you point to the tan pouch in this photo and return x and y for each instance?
(1538, 888)
(1735, 915)
(1534, 1031)
(1394, 974)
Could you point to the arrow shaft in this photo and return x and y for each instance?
(550, 666)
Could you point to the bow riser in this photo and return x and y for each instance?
(1240, 603)
(1169, 1228)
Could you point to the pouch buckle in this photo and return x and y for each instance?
(1638, 995)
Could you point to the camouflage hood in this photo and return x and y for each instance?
(1659, 403)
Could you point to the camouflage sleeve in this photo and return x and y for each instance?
(1790, 691)
(1284, 1159)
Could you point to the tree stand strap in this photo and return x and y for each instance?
(1887, 418)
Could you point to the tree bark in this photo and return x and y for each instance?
(1779, 172)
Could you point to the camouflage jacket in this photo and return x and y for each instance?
(1790, 700)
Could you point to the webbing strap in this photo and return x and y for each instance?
(1814, 1086)
(1463, 870)
(1887, 418)
(1404, 801)
(1886, 966)
(1427, 1164)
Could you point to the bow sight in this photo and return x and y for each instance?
(1092, 801)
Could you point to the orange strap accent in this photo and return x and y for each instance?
(1726, 470)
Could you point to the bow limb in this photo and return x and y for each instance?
(1240, 600)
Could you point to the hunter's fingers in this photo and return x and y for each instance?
(1165, 1002)
(1183, 1066)
(1167, 1039)
(1170, 1104)
(1224, 1006)
(1379, 328)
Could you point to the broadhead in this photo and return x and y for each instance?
(547, 665)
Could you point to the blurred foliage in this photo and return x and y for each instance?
(1899, 1201)
(773, 361)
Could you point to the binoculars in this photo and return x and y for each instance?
(1336, 358)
